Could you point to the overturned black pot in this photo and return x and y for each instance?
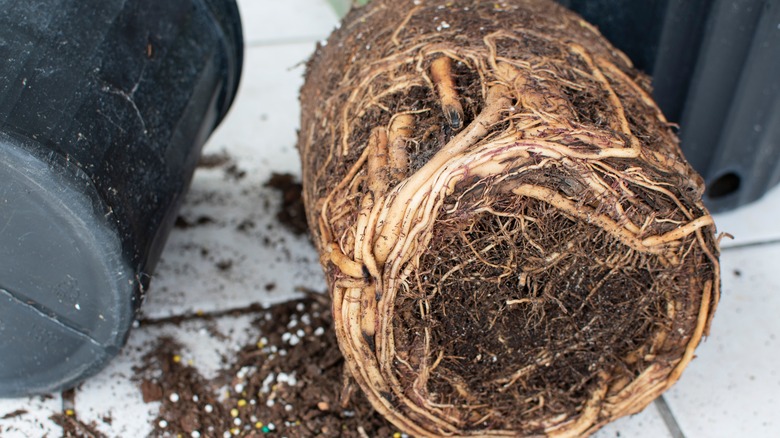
(104, 109)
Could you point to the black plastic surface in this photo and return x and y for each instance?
(716, 71)
(731, 124)
(104, 108)
(65, 305)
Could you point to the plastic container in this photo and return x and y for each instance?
(716, 71)
(104, 109)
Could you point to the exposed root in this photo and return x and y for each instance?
(441, 72)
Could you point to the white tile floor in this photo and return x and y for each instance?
(731, 390)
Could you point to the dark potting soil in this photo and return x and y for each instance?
(183, 223)
(287, 383)
(292, 213)
(210, 161)
(14, 414)
(72, 427)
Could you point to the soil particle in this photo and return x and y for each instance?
(225, 265)
(246, 225)
(292, 213)
(14, 414)
(183, 223)
(210, 161)
(234, 172)
(151, 391)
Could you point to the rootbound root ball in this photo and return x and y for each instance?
(513, 242)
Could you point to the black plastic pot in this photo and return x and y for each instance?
(104, 109)
(716, 71)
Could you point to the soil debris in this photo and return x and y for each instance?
(235, 172)
(288, 382)
(225, 265)
(72, 427)
(210, 161)
(292, 214)
(184, 223)
(14, 414)
(151, 391)
(246, 225)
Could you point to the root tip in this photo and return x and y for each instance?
(454, 117)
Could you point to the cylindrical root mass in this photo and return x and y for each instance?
(513, 242)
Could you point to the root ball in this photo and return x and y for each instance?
(513, 241)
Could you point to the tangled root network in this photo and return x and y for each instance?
(513, 242)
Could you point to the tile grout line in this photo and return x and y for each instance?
(738, 246)
(192, 316)
(235, 311)
(669, 420)
(68, 397)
